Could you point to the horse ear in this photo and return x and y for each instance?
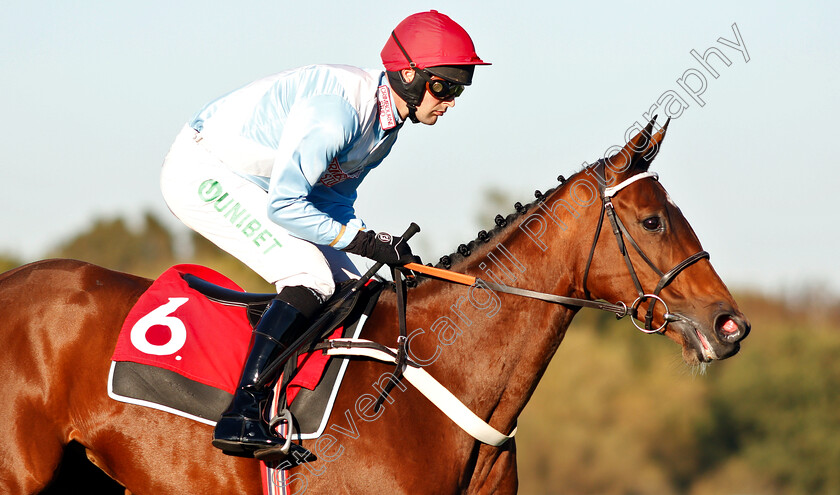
(637, 154)
(655, 141)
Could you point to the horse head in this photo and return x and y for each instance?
(645, 250)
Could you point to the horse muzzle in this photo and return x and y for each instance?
(706, 343)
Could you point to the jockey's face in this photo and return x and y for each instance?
(431, 108)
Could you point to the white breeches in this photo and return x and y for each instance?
(232, 212)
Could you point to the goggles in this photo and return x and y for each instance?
(441, 88)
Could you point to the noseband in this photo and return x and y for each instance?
(620, 232)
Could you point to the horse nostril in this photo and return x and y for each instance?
(730, 328)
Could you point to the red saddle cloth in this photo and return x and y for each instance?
(175, 328)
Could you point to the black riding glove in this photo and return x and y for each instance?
(382, 247)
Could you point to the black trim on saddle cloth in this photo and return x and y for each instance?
(149, 385)
(169, 391)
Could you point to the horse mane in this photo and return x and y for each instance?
(502, 224)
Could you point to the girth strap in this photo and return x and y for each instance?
(439, 395)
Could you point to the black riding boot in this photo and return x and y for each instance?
(242, 430)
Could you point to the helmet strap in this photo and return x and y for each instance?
(411, 63)
(411, 92)
(412, 114)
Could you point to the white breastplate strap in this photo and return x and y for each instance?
(435, 392)
(611, 191)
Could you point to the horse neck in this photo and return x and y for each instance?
(493, 348)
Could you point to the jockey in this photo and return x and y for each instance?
(269, 174)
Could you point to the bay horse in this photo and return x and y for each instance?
(59, 321)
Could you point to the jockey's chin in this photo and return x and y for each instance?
(431, 109)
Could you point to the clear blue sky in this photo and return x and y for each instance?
(92, 93)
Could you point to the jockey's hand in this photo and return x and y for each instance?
(382, 247)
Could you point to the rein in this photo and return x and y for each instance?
(620, 309)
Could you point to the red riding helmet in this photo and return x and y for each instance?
(429, 39)
(430, 43)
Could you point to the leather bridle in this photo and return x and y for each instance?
(620, 309)
(621, 232)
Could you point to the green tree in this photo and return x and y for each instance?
(617, 412)
(8, 262)
(494, 201)
(112, 244)
(777, 407)
(149, 250)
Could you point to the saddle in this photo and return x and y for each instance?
(192, 369)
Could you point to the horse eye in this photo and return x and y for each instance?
(652, 224)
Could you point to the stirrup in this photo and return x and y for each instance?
(284, 416)
(295, 454)
(288, 451)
